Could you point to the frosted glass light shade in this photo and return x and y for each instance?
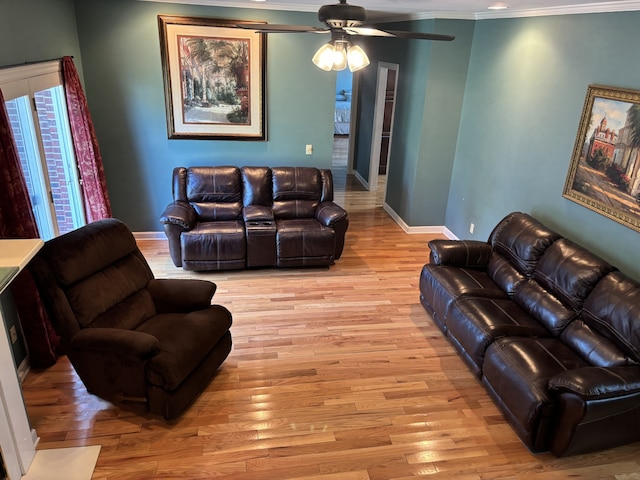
(356, 58)
(324, 57)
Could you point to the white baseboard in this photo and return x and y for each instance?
(432, 230)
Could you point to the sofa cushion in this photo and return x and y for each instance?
(440, 285)
(613, 310)
(297, 191)
(474, 323)
(121, 305)
(569, 272)
(522, 240)
(545, 308)
(595, 349)
(185, 340)
(215, 192)
(516, 372)
(304, 242)
(214, 245)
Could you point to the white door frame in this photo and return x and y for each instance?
(378, 118)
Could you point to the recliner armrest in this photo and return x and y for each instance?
(329, 213)
(591, 383)
(173, 295)
(116, 341)
(179, 213)
(460, 253)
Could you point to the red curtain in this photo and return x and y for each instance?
(85, 143)
(17, 221)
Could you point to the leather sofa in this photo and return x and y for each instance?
(225, 218)
(550, 329)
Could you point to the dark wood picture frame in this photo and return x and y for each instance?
(214, 78)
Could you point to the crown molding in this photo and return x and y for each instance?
(601, 7)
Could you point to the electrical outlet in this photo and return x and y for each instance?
(13, 334)
(309, 149)
(472, 227)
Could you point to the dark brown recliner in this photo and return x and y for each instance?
(225, 217)
(128, 335)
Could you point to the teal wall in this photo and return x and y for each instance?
(123, 75)
(430, 89)
(526, 86)
(34, 30)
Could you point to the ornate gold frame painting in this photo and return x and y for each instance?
(604, 174)
(214, 78)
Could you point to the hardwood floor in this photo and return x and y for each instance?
(336, 374)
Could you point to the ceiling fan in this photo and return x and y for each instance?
(343, 21)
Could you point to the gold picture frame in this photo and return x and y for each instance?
(604, 174)
(214, 78)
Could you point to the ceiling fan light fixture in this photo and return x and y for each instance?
(338, 54)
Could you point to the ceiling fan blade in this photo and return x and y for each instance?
(367, 31)
(273, 28)
(420, 35)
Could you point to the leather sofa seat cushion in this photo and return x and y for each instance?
(516, 372)
(303, 242)
(220, 245)
(475, 323)
(182, 349)
(440, 285)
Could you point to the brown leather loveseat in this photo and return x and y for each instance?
(225, 218)
(551, 330)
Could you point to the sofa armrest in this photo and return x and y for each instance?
(115, 341)
(257, 213)
(179, 213)
(595, 383)
(329, 213)
(173, 295)
(460, 253)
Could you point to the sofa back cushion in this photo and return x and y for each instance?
(214, 192)
(297, 191)
(569, 272)
(545, 308)
(257, 186)
(518, 243)
(612, 309)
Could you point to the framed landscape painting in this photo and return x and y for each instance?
(214, 78)
(604, 174)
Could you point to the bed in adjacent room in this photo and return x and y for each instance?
(342, 113)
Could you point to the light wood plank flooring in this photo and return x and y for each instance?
(336, 374)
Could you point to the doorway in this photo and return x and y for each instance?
(384, 110)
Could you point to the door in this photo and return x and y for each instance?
(37, 111)
(386, 88)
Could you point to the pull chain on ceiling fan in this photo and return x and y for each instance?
(343, 21)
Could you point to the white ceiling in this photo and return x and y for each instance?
(425, 9)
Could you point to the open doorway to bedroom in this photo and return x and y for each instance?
(342, 123)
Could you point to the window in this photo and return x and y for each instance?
(37, 112)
